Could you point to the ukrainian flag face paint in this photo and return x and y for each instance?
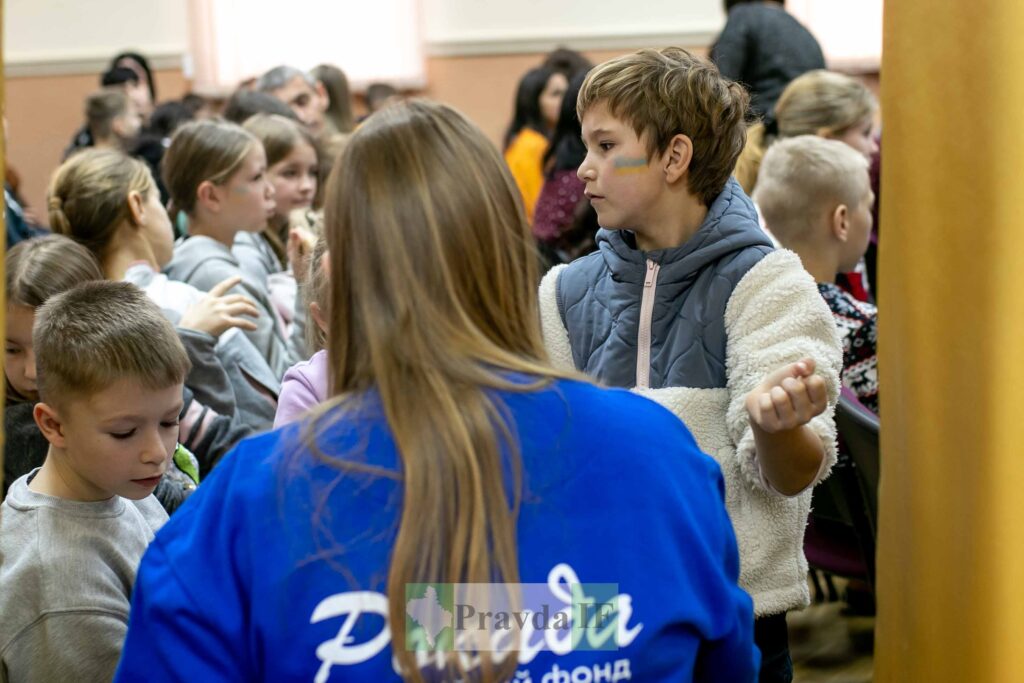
(623, 184)
(625, 165)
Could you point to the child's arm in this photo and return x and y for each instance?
(790, 453)
(72, 645)
(775, 319)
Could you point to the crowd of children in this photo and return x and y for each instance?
(335, 360)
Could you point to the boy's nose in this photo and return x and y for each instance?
(155, 451)
(585, 171)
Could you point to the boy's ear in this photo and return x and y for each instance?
(136, 208)
(841, 223)
(50, 424)
(678, 157)
(208, 195)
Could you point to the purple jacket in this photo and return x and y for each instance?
(304, 386)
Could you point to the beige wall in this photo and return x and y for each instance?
(43, 112)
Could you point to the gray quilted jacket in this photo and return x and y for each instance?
(680, 294)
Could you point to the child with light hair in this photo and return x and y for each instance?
(815, 195)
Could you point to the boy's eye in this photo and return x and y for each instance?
(123, 435)
(170, 424)
(11, 351)
(606, 146)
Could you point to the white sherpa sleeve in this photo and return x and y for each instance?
(774, 317)
(556, 337)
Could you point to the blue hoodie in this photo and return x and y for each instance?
(276, 568)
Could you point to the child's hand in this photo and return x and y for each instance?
(216, 312)
(787, 398)
(300, 248)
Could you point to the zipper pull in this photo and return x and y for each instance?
(649, 279)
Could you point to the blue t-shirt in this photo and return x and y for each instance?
(276, 568)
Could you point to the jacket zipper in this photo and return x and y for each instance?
(643, 346)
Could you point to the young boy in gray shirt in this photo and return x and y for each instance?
(110, 370)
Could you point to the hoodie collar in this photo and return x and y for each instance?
(731, 225)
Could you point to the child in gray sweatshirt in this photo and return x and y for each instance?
(110, 372)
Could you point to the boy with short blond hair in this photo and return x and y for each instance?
(815, 196)
(110, 372)
(686, 302)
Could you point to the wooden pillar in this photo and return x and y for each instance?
(951, 545)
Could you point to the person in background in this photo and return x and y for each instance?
(304, 386)
(380, 95)
(200, 107)
(128, 80)
(244, 104)
(215, 172)
(763, 47)
(111, 120)
(827, 104)
(567, 62)
(564, 222)
(140, 65)
(298, 90)
(293, 169)
(816, 198)
(115, 78)
(538, 104)
(155, 138)
(332, 83)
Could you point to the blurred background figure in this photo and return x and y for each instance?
(763, 47)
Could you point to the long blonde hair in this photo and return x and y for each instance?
(434, 307)
(822, 103)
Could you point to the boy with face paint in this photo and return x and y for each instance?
(687, 302)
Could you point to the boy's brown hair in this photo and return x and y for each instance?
(97, 333)
(101, 108)
(662, 93)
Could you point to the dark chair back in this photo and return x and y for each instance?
(844, 513)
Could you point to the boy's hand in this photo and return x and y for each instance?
(787, 398)
(216, 312)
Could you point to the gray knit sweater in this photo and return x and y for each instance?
(66, 573)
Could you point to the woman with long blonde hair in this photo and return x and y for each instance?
(450, 453)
